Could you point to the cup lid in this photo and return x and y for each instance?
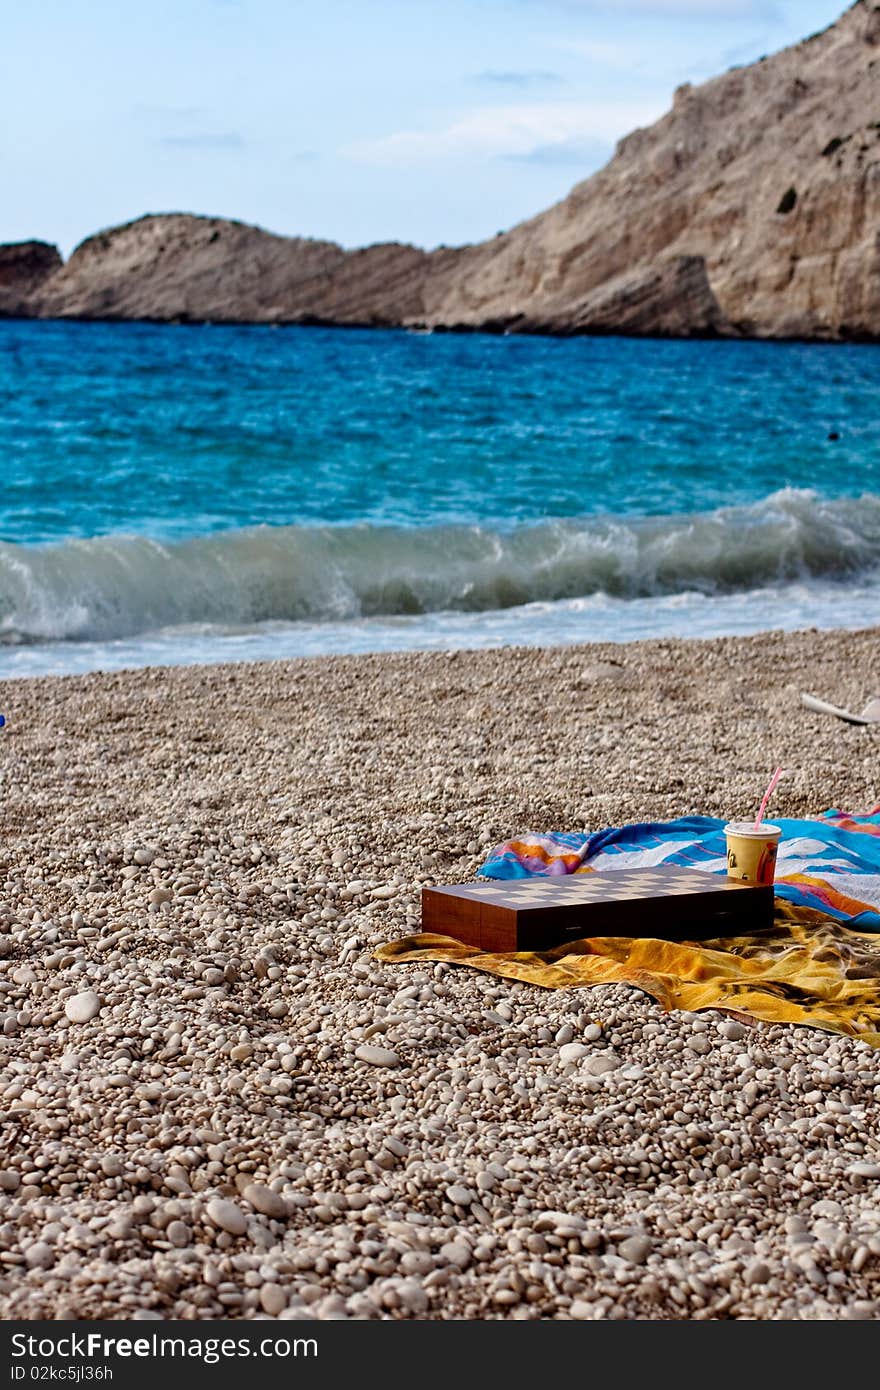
(746, 829)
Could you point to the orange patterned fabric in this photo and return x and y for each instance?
(808, 970)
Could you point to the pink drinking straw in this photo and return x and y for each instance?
(767, 795)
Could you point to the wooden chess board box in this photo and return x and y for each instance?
(531, 914)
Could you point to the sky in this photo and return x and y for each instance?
(431, 121)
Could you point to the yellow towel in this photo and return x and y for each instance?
(807, 970)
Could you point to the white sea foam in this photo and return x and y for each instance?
(593, 619)
(116, 588)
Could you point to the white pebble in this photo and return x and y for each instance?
(601, 1063)
(82, 1008)
(733, 1031)
(377, 1056)
(265, 1200)
(273, 1298)
(39, 1255)
(456, 1252)
(864, 1170)
(459, 1194)
(227, 1216)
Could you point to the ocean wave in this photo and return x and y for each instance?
(118, 586)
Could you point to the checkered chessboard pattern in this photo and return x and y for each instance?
(625, 885)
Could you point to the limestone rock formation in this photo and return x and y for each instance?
(24, 265)
(752, 208)
(770, 173)
(189, 269)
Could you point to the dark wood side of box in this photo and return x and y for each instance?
(679, 917)
(698, 916)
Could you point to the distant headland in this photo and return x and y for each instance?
(751, 209)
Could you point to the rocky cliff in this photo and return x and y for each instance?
(24, 267)
(751, 208)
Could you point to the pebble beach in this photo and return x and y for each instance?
(215, 1102)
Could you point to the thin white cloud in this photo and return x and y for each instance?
(528, 78)
(509, 132)
(577, 153)
(639, 60)
(665, 69)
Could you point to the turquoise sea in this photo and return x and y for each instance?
(182, 494)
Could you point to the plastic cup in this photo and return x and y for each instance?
(751, 853)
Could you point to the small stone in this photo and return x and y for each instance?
(111, 1165)
(273, 1299)
(572, 1052)
(563, 1222)
(9, 1181)
(377, 1056)
(227, 1216)
(861, 1310)
(733, 1031)
(592, 1033)
(581, 1310)
(82, 1008)
(756, 1273)
(412, 1296)
(39, 1255)
(636, 1249)
(265, 1199)
(178, 1233)
(601, 1063)
(455, 1252)
(864, 1170)
(416, 1262)
(332, 1308)
(460, 1195)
